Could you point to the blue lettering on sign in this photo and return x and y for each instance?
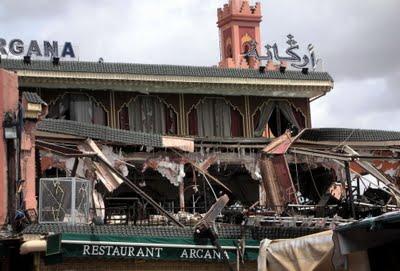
(68, 50)
(17, 47)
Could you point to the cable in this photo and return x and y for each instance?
(312, 178)
(347, 138)
(297, 172)
(212, 189)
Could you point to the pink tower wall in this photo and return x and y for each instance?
(236, 19)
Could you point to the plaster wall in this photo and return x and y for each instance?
(28, 167)
(8, 103)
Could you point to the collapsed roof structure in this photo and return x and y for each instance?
(191, 165)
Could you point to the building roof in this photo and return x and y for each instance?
(389, 220)
(225, 231)
(156, 69)
(115, 136)
(32, 97)
(348, 135)
(100, 132)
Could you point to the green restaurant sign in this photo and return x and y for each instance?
(141, 252)
(157, 248)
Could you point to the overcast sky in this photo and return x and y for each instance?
(357, 40)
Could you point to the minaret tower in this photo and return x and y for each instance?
(238, 24)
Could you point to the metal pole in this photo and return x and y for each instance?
(349, 189)
(73, 200)
(182, 196)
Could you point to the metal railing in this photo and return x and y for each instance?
(139, 214)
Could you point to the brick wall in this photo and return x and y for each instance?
(139, 265)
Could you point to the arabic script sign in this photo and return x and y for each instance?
(17, 47)
(292, 57)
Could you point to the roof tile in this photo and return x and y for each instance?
(32, 97)
(100, 132)
(349, 135)
(156, 69)
(225, 231)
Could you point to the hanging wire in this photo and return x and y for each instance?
(312, 178)
(297, 172)
(212, 189)
(346, 139)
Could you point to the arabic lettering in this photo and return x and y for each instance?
(312, 55)
(252, 52)
(272, 52)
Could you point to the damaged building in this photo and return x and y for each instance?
(140, 166)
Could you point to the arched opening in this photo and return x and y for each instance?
(272, 119)
(215, 117)
(148, 114)
(228, 51)
(246, 49)
(78, 107)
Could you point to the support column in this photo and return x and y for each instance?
(182, 127)
(11, 179)
(36, 261)
(262, 194)
(182, 196)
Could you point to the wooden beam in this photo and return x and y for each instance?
(75, 167)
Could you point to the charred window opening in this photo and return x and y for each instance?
(278, 123)
(148, 114)
(313, 183)
(275, 117)
(245, 190)
(215, 117)
(78, 107)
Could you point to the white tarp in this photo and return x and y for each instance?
(309, 253)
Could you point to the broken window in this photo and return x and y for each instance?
(64, 200)
(148, 114)
(215, 117)
(275, 117)
(78, 107)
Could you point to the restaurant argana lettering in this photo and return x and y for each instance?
(17, 47)
(152, 252)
